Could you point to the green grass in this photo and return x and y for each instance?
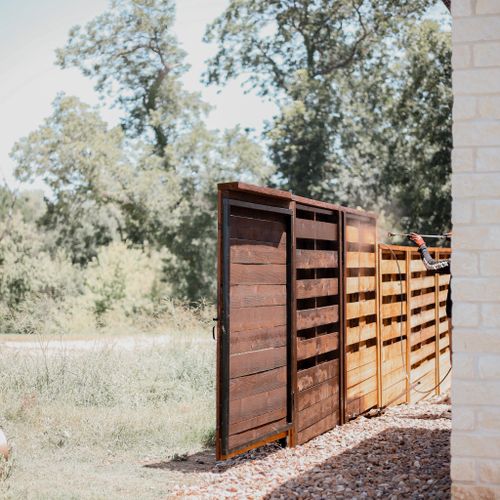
(83, 424)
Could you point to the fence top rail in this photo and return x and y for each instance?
(403, 248)
(286, 195)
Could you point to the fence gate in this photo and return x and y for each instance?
(254, 342)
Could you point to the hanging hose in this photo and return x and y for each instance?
(413, 387)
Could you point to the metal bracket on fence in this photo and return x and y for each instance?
(213, 328)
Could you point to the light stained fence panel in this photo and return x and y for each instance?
(414, 328)
(393, 283)
(317, 321)
(361, 387)
(445, 344)
(422, 335)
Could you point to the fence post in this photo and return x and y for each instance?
(378, 306)
(436, 316)
(408, 324)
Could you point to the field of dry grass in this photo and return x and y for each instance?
(88, 423)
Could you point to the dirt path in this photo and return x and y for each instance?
(403, 454)
(66, 344)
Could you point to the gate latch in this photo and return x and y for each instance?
(213, 328)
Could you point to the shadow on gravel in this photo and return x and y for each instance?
(397, 463)
(204, 461)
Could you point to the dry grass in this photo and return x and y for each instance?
(84, 424)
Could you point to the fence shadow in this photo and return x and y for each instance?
(204, 461)
(398, 463)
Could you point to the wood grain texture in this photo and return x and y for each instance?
(317, 288)
(250, 252)
(360, 333)
(256, 361)
(272, 232)
(360, 259)
(360, 284)
(316, 259)
(317, 412)
(317, 393)
(316, 346)
(257, 295)
(320, 427)
(250, 318)
(317, 374)
(258, 420)
(257, 405)
(257, 339)
(315, 230)
(258, 274)
(361, 308)
(309, 318)
(250, 435)
(256, 383)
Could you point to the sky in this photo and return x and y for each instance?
(31, 30)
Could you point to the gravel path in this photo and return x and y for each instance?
(402, 454)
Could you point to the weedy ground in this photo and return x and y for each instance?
(88, 424)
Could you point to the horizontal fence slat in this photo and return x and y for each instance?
(360, 284)
(309, 318)
(317, 374)
(316, 346)
(360, 259)
(315, 230)
(248, 252)
(316, 259)
(257, 295)
(258, 274)
(246, 318)
(317, 287)
(256, 361)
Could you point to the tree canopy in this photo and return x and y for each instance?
(363, 95)
(364, 106)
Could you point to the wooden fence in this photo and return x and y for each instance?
(415, 353)
(317, 322)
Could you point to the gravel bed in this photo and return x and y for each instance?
(403, 453)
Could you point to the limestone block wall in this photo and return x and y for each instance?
(475, 442)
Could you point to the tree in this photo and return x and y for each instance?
(157, 173)
(394, 153)
(130, 52)
(296, 51)
(420, 155)
(74, 153)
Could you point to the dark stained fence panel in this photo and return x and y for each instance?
(254, 382)
(318, 327)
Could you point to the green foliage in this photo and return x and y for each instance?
(28, 271)
(75, 154)
(402, 167)
(364, 94)
(296, 52)
(364, 99)
(166, 191)
(420, 162)
(131, 53)
(124, 279)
